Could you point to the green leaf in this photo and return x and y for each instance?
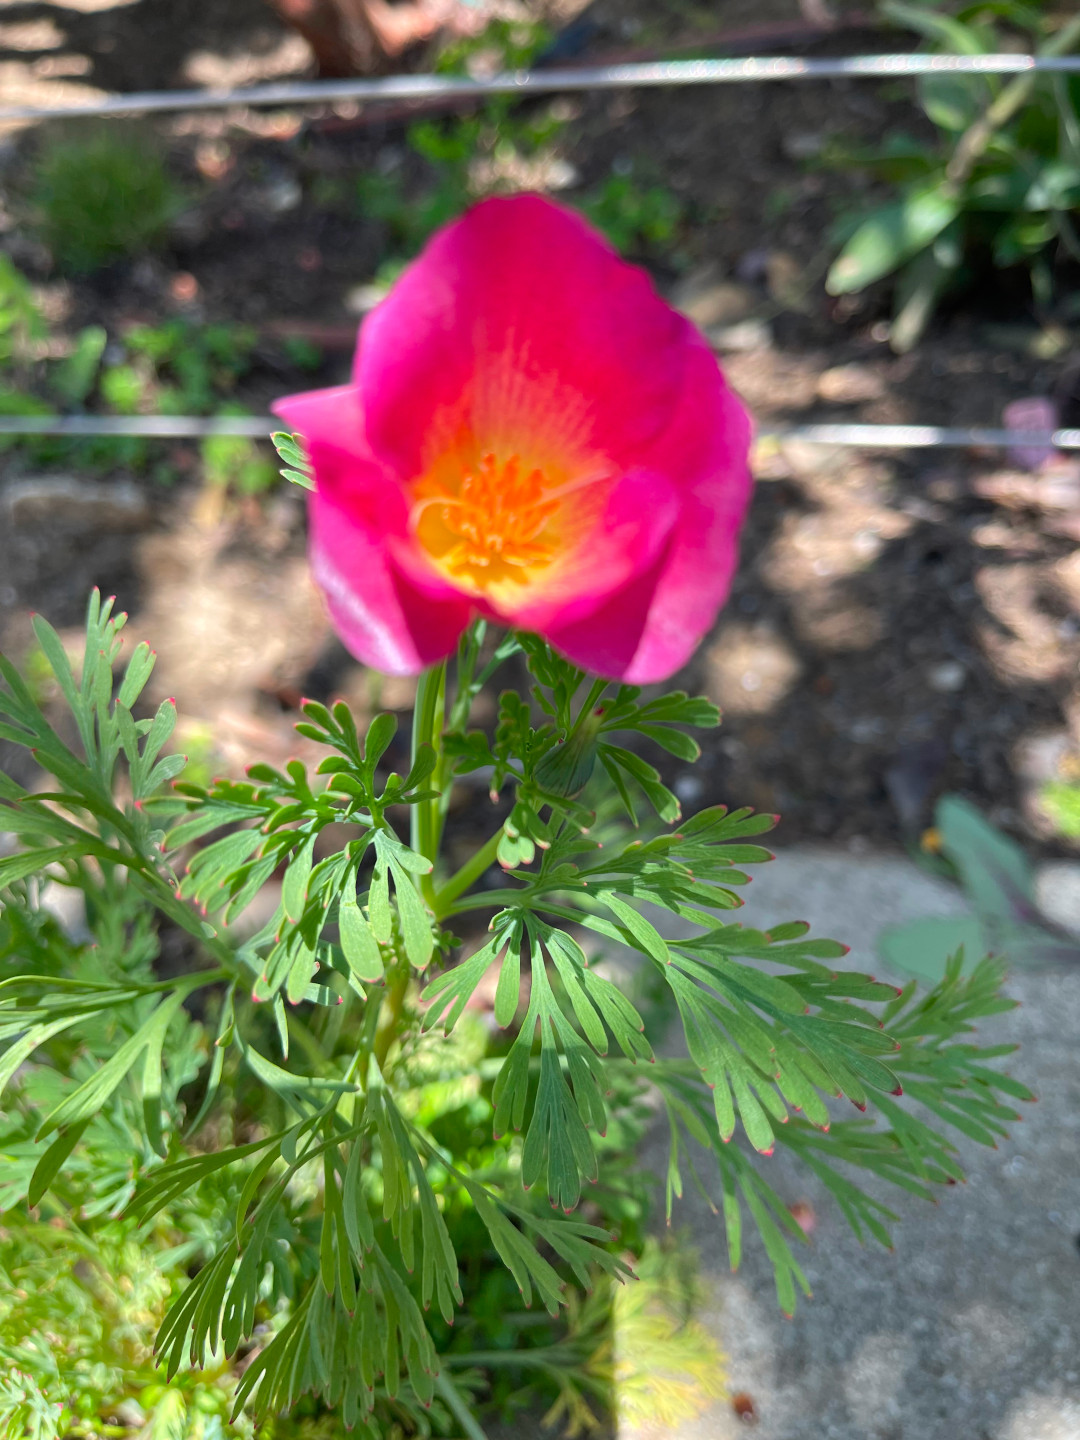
(75, 376)
(294, 888)
(380, 733)
(59, 664)
(360, 947)
(417, 935)
(953, 102)
(379, 913)
(448, 994)
(647, 776)
(301, 971)
(18, 1053)
(136, 675)
(675, 742)
(923, 947)
(357, 1216)
(645, 934)
(298, 468)
(994, 870)
(161, 727)
(508, 990)
(53, 1160)
(892, 235)
(951, 34)
(568, 766)
(85, 1101)
(284, 1082)
(151, 1091)
(919, 287)
(30, 862)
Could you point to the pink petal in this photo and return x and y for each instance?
(653, 625)
(520, 324)
(642, 508)
(709, 444)
(380, 615)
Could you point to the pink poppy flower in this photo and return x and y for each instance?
(533, 435)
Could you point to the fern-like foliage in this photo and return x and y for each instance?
(289, 1100)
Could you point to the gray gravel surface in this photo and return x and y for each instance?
(969, 1330)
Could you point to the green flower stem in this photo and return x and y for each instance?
(449, 1392)
(391, 1014)
(427, 729)
(490, 899)
(469, 872)
(468, 654)
(425, 834)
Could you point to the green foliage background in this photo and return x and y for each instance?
(1001, 183)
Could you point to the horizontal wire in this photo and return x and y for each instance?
(162, 427)
(537, 82)
(259, 427)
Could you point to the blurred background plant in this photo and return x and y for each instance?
(998, 186)
(998, 881)
(505, 148)
(102, 195)
(177, 367)
(1061, 801)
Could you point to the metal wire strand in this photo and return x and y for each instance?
(538, 82)
(259, 427)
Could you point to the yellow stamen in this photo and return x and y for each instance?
(496, 526)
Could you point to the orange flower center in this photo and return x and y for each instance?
(495, 527)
